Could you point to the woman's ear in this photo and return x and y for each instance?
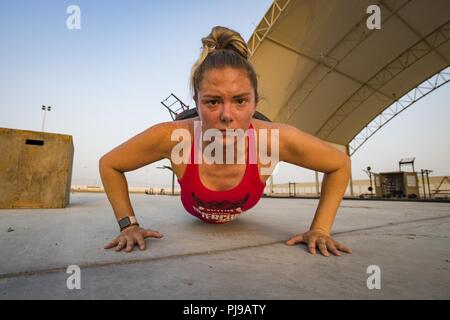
(195, 101)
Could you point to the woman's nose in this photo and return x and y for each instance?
(226, 113)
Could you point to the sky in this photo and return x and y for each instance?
(105, 81)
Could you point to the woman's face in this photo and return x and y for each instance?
(226, 99)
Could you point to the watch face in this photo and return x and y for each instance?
(124, 222)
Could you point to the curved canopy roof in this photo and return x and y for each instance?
(322, 70)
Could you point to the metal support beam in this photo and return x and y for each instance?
(422, 90)
(423, 47)
(269, 20)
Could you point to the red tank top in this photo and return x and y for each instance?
(221, 206)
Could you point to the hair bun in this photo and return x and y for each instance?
(222, 38)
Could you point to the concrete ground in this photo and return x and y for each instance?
(245, 259)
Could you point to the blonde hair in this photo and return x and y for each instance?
(223, 47)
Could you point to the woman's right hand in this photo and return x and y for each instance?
(131, 236)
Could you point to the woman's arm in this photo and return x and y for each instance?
(151, 145)
(333, 188)
(307, 151)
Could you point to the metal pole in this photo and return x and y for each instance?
(45, 108)
(317, 183)
(351, 176)
(173, 182)
(428, 181)
(351, 184)
(43, 121)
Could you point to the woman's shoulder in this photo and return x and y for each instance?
(170, 126)
(187, 124)
(283, 134)
(261, 124)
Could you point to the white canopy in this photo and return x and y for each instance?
(322, 70)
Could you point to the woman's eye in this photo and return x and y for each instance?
(241, 101)
(211, 102)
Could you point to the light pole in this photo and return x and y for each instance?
(369, 173)
(370, 179)
(45, 109)
(173, 177)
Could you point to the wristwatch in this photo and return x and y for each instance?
(127, 221)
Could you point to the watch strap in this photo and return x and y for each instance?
(127, 221)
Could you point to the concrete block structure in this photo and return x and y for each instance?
(35, 169)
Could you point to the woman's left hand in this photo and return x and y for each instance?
(321, 240)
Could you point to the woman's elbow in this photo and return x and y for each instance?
(104, 162)
(344, 164)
